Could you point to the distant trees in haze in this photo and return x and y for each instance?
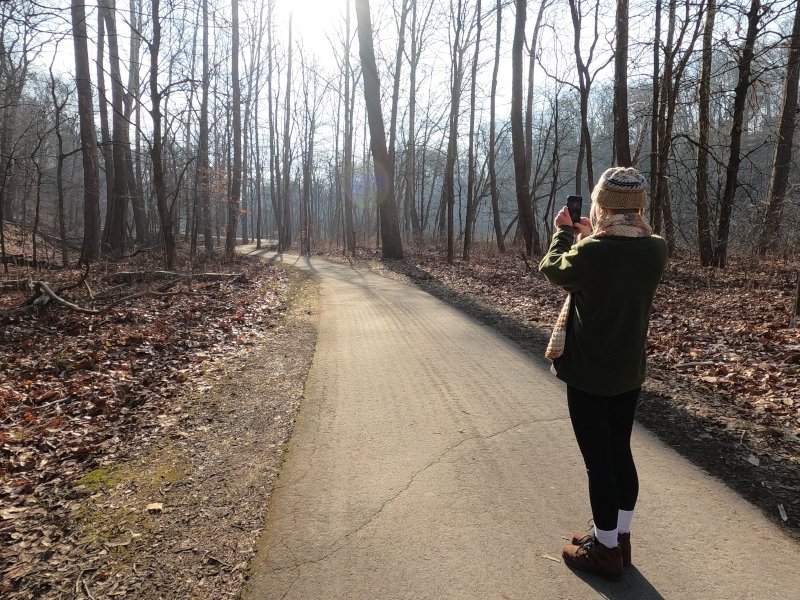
(207, 119)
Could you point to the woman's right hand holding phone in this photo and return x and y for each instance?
(582, 227)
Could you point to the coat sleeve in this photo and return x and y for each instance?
(564, 264)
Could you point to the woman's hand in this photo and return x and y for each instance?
(563, 219)
(584, 227)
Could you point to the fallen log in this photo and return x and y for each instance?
(18, 285)
(44, 294)
(21, 260)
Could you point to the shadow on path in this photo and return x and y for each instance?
(633, 586)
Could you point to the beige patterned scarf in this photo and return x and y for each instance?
(620, 225)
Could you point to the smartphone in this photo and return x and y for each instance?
(574, 204)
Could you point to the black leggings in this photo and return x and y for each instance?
(602, 426)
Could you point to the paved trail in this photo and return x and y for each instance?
(434, 459)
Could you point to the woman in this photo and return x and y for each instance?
(598, 349)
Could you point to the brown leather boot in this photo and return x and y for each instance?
(581, 537)
(594, 557)
(624, 540)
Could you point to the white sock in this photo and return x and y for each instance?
(624, 518)
(607, 538)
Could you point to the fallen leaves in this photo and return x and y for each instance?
(75, 387)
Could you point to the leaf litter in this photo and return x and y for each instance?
(81, 393)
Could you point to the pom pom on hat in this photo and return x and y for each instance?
(620, 187)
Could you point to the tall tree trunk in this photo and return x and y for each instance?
(164, 210)
(236, 182)
(91, 183)
(134, 189)
(58, 109)
(584, 88)
(392, 245)
(735, 158)
(529, 126)
(670, 87)
(701, 188)
(287, 189)
(517, 133)
(655, 213)
(622, 149)
(495, 192)
(470, 223)
(781, 163)
(456, 79)
(105, 133)
(274, 170)
(114, 233)
(259, 177)
(347, 164)
(398, 62)
(203, 181)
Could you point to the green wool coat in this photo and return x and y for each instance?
(612, 281)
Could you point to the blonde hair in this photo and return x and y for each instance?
(598, 214)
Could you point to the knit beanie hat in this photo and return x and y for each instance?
(620, 187)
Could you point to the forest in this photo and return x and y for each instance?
(147, 146)
(153, 124)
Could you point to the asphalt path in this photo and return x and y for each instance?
(432, 458)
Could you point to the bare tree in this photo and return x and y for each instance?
(734, 158)
(704, 99)
(114, 232)
(202, 180)
(58, 111)
(392, 246)
(471, 202)
(495, 194)
(782, 161)
(674, 69)
(622, 150)
(156, 150)
(524, 208)
(134, 182)
(458, 49)
(347, 164)
(529, 171)
(91, 182)
(236, 182)
(286, 234)
(585, 80)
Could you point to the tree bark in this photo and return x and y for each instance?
(782, 161)
(91, 183)
(134, 187)
(655, 214)
(392, 246)
(114, 233)
(236, 182)
(347, 165)
(495, 192)
(286, 242)
(622, 149)
(456, 79)
(164, 210)
(203, 167)
(471, 202)
(701, 188)
(517, 133)
(734, 159)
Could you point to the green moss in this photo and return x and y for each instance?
(101, 479)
